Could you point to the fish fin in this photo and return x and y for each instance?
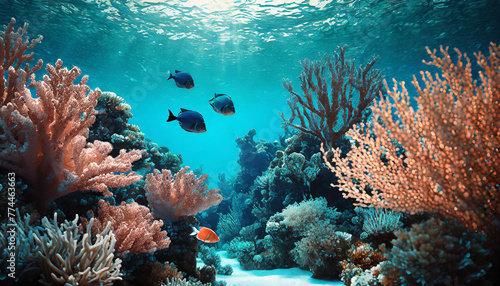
(183, 110)
(212, 104)
(171, 76)
(220, 94)
(176, 71)
(195, 231)
(171, 116)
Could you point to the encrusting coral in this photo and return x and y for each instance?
(134, 227)
(329, 114)
(451, 162)
(171, 198)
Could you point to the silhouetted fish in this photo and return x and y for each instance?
(183, 79)
(222, 104)
(190, 121)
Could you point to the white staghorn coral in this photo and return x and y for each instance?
(68, 258)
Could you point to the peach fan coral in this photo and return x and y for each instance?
(13, 45)
(184, 195)
(134, 227)
(452, 145)
(43, 138)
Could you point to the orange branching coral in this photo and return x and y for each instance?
(329, 114)
(185, 195)
(363, 256)
(134, 227)
(451, 162)
(43, 138)
(13, 46)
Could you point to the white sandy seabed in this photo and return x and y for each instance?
(276, 277)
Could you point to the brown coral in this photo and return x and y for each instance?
(328, 114)
(451, 162)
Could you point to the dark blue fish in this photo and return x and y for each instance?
(190, 121)
(222, 104)
(183, 79)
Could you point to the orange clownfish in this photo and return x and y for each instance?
(205, 235)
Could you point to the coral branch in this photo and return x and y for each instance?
(134, 227)
(329, 116)
(450, 163)
(185, 195)
(13, 46)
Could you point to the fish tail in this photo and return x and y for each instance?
(171, 76)
(195, 231)
(171, 116)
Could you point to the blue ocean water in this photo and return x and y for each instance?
(246, 49)
(242, 48)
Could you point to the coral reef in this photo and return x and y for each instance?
(303, 216)
(288, 180)
(380, 221)
(329, 114)
(183, 248)
(451, 162)
(58, 142)
(255, 249)
(435, 252)
(184, 282)
(111, 125)
(23, 260)
(379, 225)
(155, 273)
(184, 195)
(359, 267)
(254, 158)
(228, 226)
(211, 258)
(134, 227)
(322, 250)
(163, 158)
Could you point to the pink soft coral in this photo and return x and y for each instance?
(43, 139)
(134, 227)
(13, 45)
(185, 195)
